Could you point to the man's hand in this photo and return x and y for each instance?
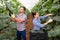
(13, 15)
(21, 20)
(13, 19)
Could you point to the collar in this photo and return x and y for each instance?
(21, 14)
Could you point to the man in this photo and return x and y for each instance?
(21, 20)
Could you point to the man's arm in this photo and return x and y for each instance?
(19, 20)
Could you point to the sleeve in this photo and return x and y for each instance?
(25, 18)
(42, 17)
(38, 24)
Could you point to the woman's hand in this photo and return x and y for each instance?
(50, 20)
(49, 14)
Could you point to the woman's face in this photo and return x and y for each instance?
(37, 15)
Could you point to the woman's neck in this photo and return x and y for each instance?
(35, 18)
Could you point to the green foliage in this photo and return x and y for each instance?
(54, 32)
(47, 6)
(7, 27)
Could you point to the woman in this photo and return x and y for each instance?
(37, 22)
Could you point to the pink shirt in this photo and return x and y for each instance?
(21, 26)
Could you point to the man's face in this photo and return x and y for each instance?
(22, 10)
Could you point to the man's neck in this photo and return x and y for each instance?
(21, 13)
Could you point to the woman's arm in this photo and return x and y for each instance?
(41, 25)
(49, 15)
(38, 24)
(42, 17)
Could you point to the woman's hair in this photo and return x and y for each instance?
(23, 7)
(34, 13)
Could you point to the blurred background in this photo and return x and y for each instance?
(8, 28)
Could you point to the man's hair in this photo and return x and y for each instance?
(34, 13)
(23, 7)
